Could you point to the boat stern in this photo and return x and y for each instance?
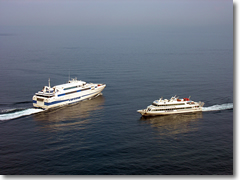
(39, 102)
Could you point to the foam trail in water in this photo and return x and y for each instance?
(18, 114)
(218, 107)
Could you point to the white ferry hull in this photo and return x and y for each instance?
(53, 102)
(143, 112)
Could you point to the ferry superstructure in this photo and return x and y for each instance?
(71, 92)
(171, 106)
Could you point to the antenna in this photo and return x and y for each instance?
(49, 83)
(69, 75)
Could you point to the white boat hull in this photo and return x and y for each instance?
(47, 103)
(144, 112)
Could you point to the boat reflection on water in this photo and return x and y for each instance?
(74, 116)
(173, 125)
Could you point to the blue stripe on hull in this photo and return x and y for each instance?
(61, 95)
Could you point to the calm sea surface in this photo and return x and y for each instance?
(106, 135)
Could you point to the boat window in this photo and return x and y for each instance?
(168, 104)
(70, 92)
(70, 88)
(76, 91)
(171, 109)
(85, 89)
(45, 96)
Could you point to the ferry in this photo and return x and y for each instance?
(171, 106)
(71, 92)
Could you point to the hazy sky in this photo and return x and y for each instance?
(194, 13)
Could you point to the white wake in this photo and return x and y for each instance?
(18, 114)
(218, 107)
(26, 112)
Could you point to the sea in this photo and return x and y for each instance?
(106, 135)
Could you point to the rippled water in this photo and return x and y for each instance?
(106, 135)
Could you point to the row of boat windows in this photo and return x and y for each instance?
(70, 88)
(77, 91)
(65, 93)
(172, 109)
(169, 104)
(44, 96)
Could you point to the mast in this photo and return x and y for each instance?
(69, 75)
(49, 83)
